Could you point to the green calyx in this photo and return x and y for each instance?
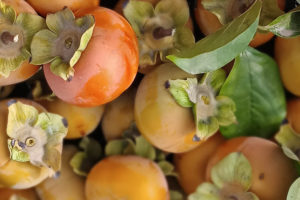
(210, 110)
(161, 30)
(133, 143)
(231, 179)
(83, 161)
(294, 191)
(16, 33)
(35, 137)
(63, 42)
(289, 141)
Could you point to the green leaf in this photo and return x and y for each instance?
(182, 90)
(294, 191)
(176, 9)
(83, 161)
(254, 85)
(233, 169)
(287, 25)
(137, 12)
(219, 48)
(205, 191)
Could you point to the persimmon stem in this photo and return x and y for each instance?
(160, 32)
(6, 38)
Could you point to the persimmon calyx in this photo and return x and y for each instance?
(16, 33)
(63, 42)
(289, 141)
(161, 30)
(83, 161)
(210, 110)
(294, 191)
(231, 179)
(35, 137)
(132, 143)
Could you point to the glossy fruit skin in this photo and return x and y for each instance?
(26, 70)
(81, 121)
(126, 177)
(14, 174)
(107, 66)
(272, 171)
(6, 194)
(163, 122)
(118, 115)
(43, 7)
(55, 188)
(209, 23)
(287, 57)
(191, 166)
(293, 113)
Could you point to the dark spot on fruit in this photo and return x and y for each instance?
(167, 84)
(196, 138)
(233, 197)
(261, 176)
(65, 122)
(11, 102)
(57, 174)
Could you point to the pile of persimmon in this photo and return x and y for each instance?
(149, 100)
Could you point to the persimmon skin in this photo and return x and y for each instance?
(81, 121)
(6, 194)
(272, 171)
(106, 68)
(163, 122)
(191, 166)
(44, 7)
(293, 113)
(55, 188)
(126, 177)
(209, 23)
(118, 115)
(15, 174)
(287, 57)
(26, 70)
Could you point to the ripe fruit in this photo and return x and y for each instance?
(163, 122)
(81, 121)
(191, 166)
(272, 171)
(287, 56)
(55, 188)
(126, 177)
(9, 194)
(104, 69)
(43, 7)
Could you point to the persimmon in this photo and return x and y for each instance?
(209, 23)
(81, 121)
(16, 51)
(43, 7)
(126, 177)
(163, 122)
(26, 158)
(287, 56)
(293, 114)
(191, 166)
(55, 188)
(272, 171)
(9, 194)
(118, 115)
(94, 63)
